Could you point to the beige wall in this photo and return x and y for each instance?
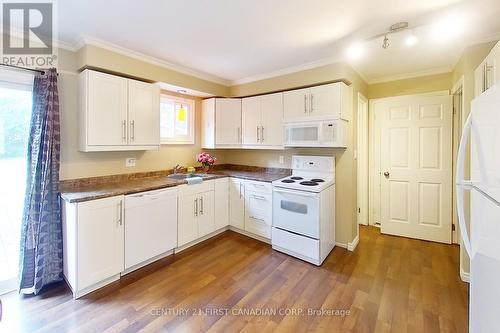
(411, 86)
(100, 58)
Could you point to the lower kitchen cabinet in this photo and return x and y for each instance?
(150, 226)
(196, 212)
(237, 203)
(258, 209)
(221, 202)
(93, 243)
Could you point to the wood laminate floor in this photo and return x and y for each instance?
(388, 284)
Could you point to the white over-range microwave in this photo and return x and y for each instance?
(321, 133)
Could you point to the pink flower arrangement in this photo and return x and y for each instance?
(206, 159)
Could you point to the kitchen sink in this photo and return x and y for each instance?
(186, 175)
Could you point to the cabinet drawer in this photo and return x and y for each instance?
(255, 186)
(206, 186)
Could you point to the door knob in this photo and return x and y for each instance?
(386, 174)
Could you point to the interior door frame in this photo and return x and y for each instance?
(374, 155)
(458, 115)
(362, 160)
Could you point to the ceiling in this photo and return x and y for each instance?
(241, 41)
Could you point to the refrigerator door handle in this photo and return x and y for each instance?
(463, 185)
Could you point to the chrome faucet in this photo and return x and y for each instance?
(178, 168)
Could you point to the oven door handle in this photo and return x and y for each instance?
(300, 193)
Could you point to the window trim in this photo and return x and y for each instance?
(192, 121)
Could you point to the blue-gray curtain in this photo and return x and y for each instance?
(41, 236)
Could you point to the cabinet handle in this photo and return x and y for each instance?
(487, 79)
(132, 130)
(262, 134)
(201, 205)
(484, 77)
(240, 190)
(120, 214)
(311, 104)
(196, 207)
(124, 130)
(258, 134)
(258, 197)
(256, 218)
(305, 103)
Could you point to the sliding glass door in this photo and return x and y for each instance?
(15, 113)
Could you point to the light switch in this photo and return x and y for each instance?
(130, 162)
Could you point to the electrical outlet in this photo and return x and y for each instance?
(282, 159)
(130, 162)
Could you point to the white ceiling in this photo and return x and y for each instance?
(244, 40)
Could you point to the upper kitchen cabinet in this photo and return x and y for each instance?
(488, 72)
(331, 101)
(262, 121)
(221, 123)
(117, 113)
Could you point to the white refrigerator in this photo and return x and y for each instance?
(482, 239)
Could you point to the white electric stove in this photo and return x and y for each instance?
(304, 209)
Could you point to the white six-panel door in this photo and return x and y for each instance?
(416, 166)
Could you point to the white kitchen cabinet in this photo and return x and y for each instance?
(206, 216)
(271, 134)
(196, 212)
(143, 113)
(488, 72)
(150, 225)
(237, 203)
(93, 243)
(262, 121)
(117, 113)
(221, 123)
(258, 209)
(331, 101)
(251, 120)
(221, 202)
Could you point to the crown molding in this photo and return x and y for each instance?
(85, 40)
(287, 70)
(411, 75)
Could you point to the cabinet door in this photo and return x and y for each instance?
(258, 213)
(208, 123)
(100, 240)
(221, 202)
(296, 104)
(206, 221)
(106, 109)
(251, 120)
(237, 203)
(271, 133)
(326, 100)
(228, 121)
(480, 79)
(187, 229)
(150, 226)
(143, 114)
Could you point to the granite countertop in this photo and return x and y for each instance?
(74, 191)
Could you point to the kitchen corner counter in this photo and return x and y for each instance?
(80, 190)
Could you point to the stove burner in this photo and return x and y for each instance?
(296, 178)
(308, 183)
(317, 180)
(288, 181)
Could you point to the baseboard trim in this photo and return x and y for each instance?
(351, 246)
(342, 245)
(199, 240)
(465, 276)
